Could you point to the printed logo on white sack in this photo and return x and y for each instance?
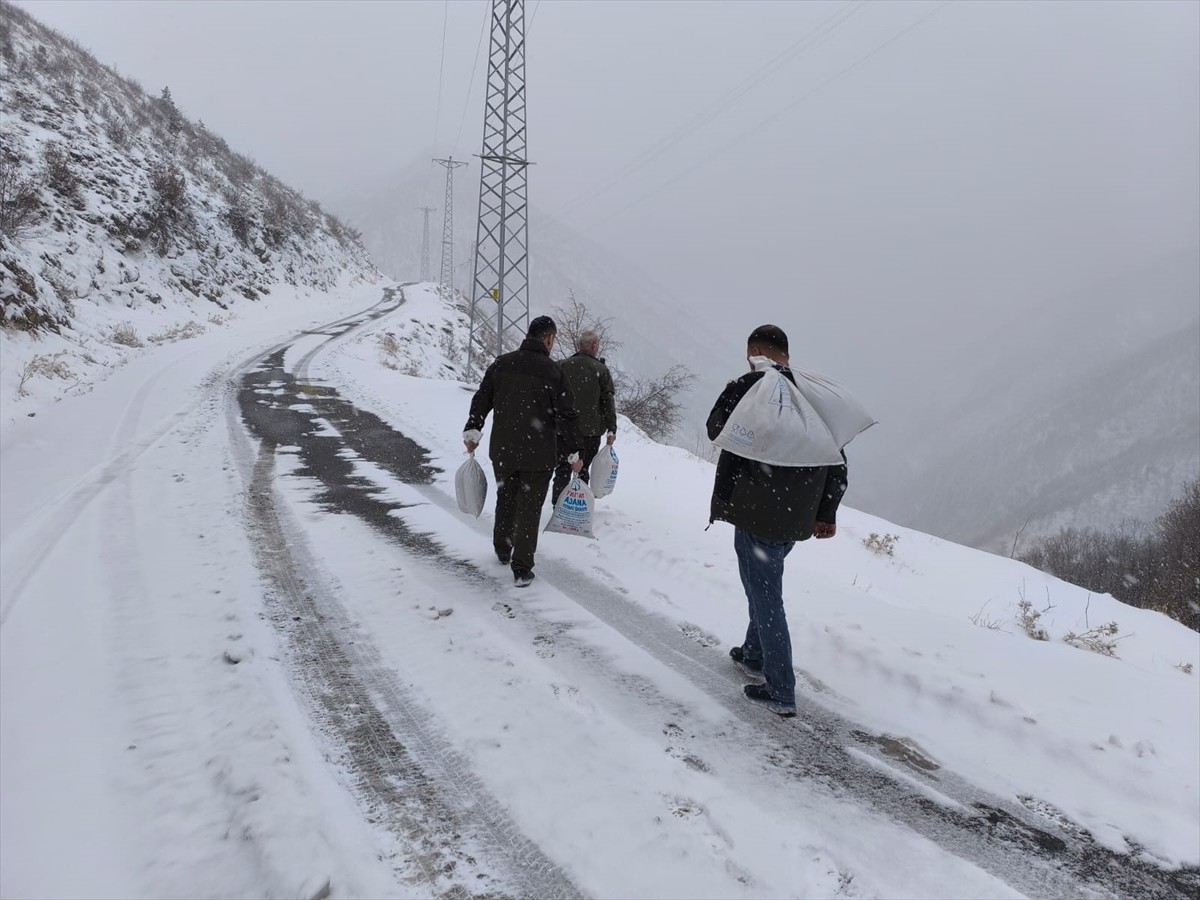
(604, 471)
(785, 424)
(573, 510)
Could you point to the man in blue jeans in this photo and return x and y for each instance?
(770, 504)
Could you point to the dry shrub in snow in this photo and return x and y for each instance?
(60, 177)
(20, 206)
(1029, 619)
(125, 335)
(1102, 639)
(881, 544)
(178, 333)
(45, 365)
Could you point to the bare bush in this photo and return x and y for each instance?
(573, 320)
(1157, 569)
(45, 365)
(117, 131)
(1176, 582)
(20, 201)
(178, 333)
(170, 212)
(239, 218)
(881, 544)
(60, 176)
(1030, 619)
(126, 335)
(653, 404)
(1102, 639)
(390, 348)
(984, 620)
(90, 95)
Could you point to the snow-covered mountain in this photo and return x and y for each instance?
(122, 222)
(1083, 410)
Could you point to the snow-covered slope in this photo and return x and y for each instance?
(126, 224)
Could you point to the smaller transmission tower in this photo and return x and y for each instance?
(425, 273)
(447, 280)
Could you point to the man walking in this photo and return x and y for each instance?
(768, 488)
(592, 385)
(535, 415)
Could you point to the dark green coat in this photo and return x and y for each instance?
(533, 407)
(592, 385)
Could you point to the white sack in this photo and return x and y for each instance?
(573, 511)
(470, 487)
(604, 471)
(785, 424)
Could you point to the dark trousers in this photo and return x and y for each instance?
(760, 563)
(562, 474)
(519, 499)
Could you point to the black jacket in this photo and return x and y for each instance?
(535, 411)
(775, 503)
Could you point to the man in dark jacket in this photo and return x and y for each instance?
(535, 413)
(592, 385)
(771, 507)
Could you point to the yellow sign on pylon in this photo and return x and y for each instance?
(496, 294)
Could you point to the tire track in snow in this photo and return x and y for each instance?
(405, 772)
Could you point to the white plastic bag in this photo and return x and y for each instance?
(573, 511)
(470, 487)
(604, 471)
(785, 424)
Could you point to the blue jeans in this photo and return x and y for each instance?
(760, 564)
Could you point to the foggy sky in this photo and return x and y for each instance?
(906, 196)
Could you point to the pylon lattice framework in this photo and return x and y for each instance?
(425, 242)
(447, 279)
(500, 288)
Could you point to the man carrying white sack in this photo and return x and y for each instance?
(534, 416)
(780, 477)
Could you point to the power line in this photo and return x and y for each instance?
(437, 121)
(532, 16)
(487, 17)
(805, 42)
(774, 116)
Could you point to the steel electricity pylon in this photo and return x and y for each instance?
(500, 287)
(448, 223)
(425, 273)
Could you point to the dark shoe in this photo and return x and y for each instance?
(757, 693)
(752, 667)
(504, 560)
(522, 579)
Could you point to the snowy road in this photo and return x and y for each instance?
(256, 651)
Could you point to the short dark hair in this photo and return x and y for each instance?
(771, 336)
(541, 328)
